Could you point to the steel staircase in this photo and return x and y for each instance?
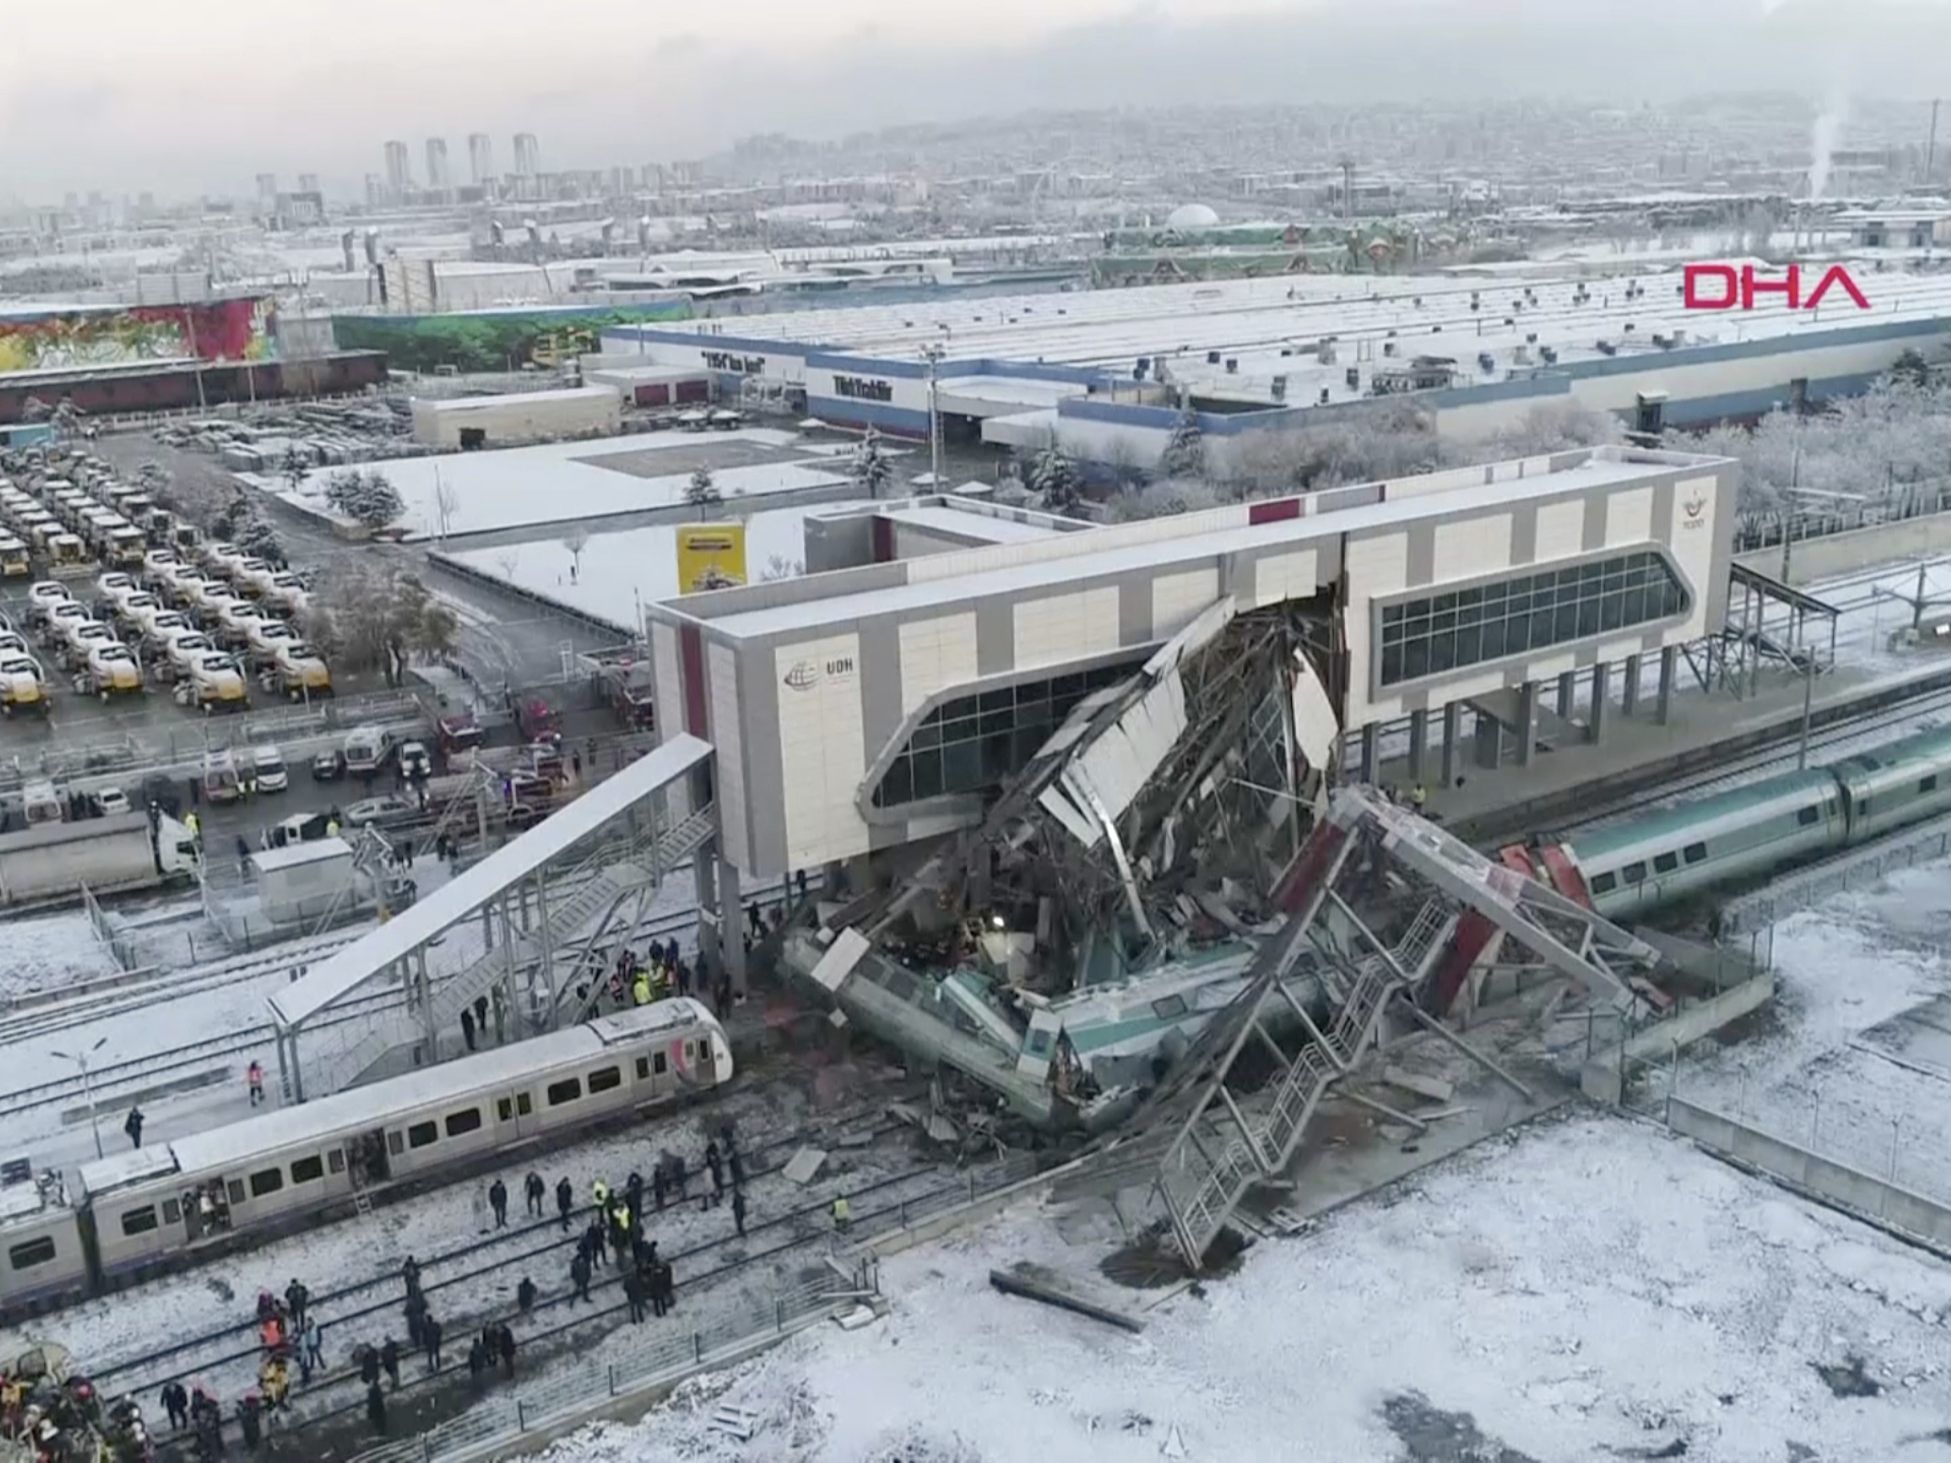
(1202, 1181)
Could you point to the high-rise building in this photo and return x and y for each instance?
(308, 183)
(375, 193)
(399, 173)
(480, 159)
(437, 162)
(528, 155)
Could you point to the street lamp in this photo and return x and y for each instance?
(80, 1059)
(932, 353)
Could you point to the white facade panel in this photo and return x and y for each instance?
(1065, 627)
(823, 752)
(1473, 546)
(666, 680)
(936, 654)
(727, 735)
(1561, 529)
(1695, 530)
(1288, 576)
(1629, 516)
(1177, 599)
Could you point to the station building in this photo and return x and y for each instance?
(878, 705)
(1107, 375)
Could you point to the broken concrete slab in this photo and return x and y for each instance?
(1039, 1282)
(805, 1165)
(1434, 1088)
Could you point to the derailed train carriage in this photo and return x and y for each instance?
(174, 1202)
(1632, 866)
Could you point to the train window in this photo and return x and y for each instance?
(421, 1134)
(172, 1211)
(567, 1090)
(1665, 863)
(307, 1170)
(467, 1120)
(139, 1221)
(524, 1105)
(643, 1069)
(1863, 808)
(690, 1051)
(335, 1160)
(234, 1191)
(266, 1181)
(1806, 816)
(1927, 784)
(34, 1252)
(605, 1080)
(395, 1145)
(659, 1064)
(1693, 853)
(1633, 873)
(504, 1109)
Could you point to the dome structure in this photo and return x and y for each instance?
(1191, 216)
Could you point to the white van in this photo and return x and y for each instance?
(269, 765)
(367, 749)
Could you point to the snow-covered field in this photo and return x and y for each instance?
(552, 481)
(1832, 1068)
(1589, 1288)
(45, 952)
(618, 572)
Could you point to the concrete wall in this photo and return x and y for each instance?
(1842, 553)
(518, 417)
(1875, 1199)
(1602, 1078)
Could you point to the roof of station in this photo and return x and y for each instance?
(507, 866)
(1025, 568)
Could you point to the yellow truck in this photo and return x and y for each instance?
(22, 687)
(14, 561)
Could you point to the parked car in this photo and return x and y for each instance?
(299, 828)
(111, 800)
(328, 766)
(381, 812)
(268, 763)
(414, 761)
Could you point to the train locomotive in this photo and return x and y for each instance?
(1637, 864)
(174, 1202)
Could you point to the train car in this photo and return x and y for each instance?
(43, 1255)
(1895, 785)
(149, 1209)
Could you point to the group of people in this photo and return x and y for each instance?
(661, 971)
(53, 1416)
(474, 1019)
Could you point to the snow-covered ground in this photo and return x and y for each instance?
(619, 572)
(45, 952)
(1834, 1067)
(563, 480)
(1589, 1288)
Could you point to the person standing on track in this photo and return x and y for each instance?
(532, 1189)
(314, 1344)
(430, 1341)
(716, 1163)
(376, 1408)
(498, 1201)
(296, 1299)
(254, 1076)
(738, 1210)
(389, 1359)
(467, 1027)
(565, 1200)
(132, 1125)
(579, 1275)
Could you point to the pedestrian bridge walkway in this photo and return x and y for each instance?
(625, 834)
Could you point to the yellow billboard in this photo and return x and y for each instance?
(710, 556)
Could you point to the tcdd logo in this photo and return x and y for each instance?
(1723, 287)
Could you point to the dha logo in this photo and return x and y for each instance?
(1722, 287)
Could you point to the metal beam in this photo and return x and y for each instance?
(1376, 1105)
(1430, 1023)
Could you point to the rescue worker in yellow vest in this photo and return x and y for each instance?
(600, 1191)
(640, 988)
(620, 1231)
(843, 1214)
(1418, 795)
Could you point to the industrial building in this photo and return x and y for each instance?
(526, 416)
(1107, 375)
(880, 705)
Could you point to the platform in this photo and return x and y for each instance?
(1703, 728)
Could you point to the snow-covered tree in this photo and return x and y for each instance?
(1185, 453)
(258, 536)
(294, 468)
(576, 540)
(1055, 480)
(702, 492)
(368, 498)
(872, 471)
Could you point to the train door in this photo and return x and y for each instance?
(511, 1108)
(206, 1210)
(367, 1163)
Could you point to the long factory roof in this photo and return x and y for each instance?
(1254, 320)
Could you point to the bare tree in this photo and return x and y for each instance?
(576, 540)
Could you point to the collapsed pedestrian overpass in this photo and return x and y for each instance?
(513, 931)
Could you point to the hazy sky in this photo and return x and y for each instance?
(128, 94)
